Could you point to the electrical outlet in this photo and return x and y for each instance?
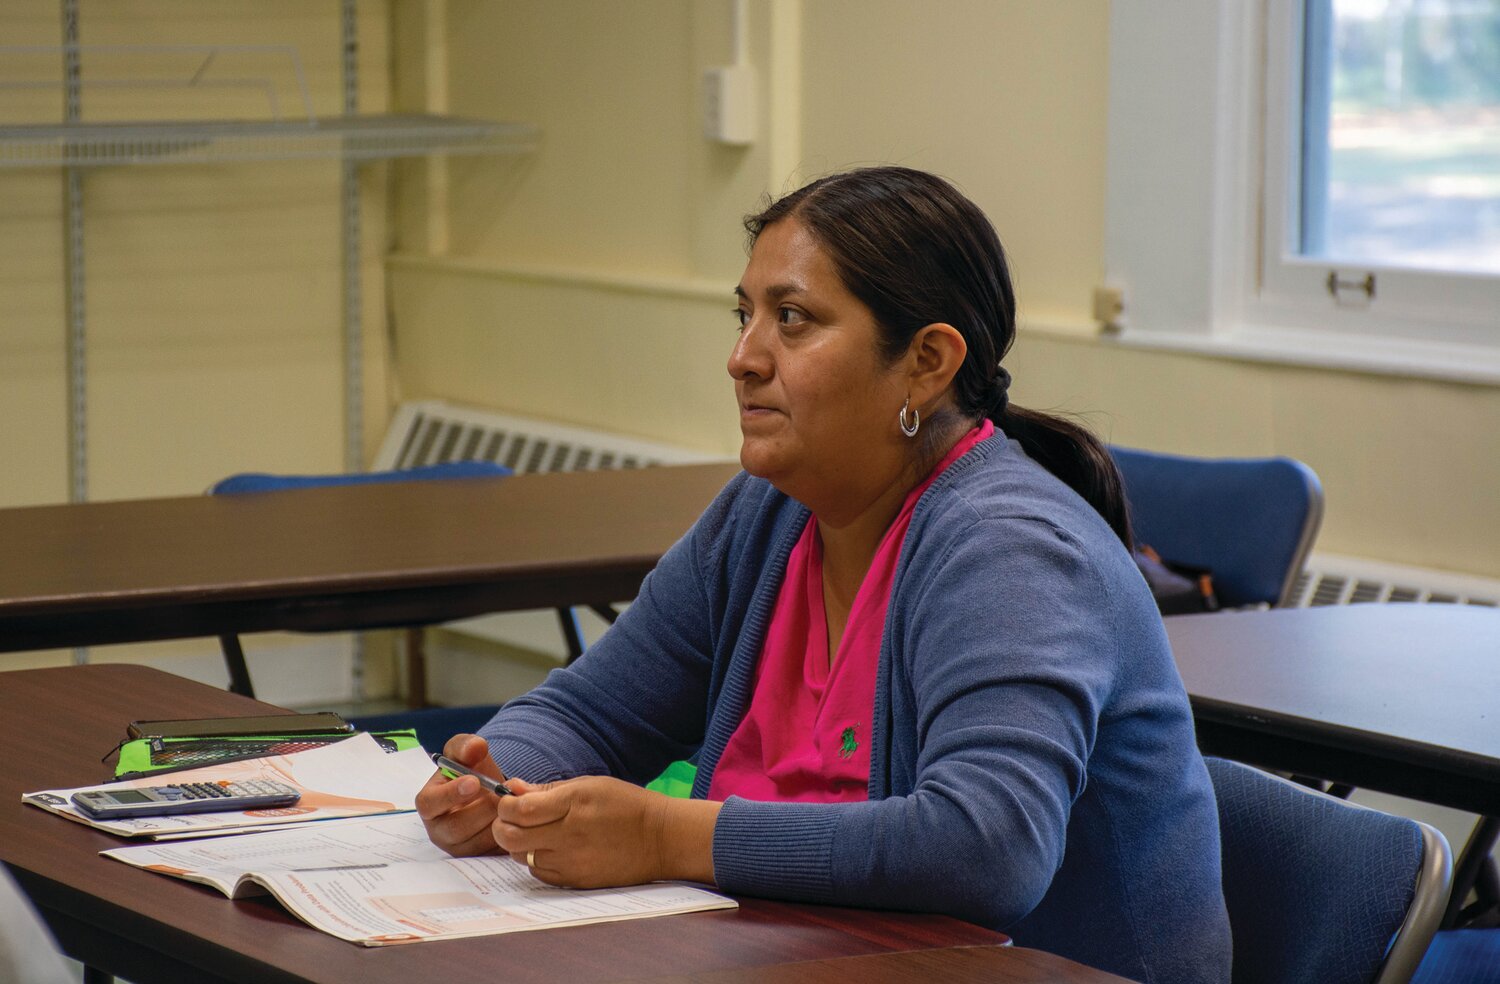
(729, 104)
(1109, 308)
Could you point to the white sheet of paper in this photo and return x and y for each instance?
(354, 777)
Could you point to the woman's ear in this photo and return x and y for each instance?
(936, 353)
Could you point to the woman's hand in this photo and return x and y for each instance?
(596, 832)
(457, 813)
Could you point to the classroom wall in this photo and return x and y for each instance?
(589, 281)
(213, 298)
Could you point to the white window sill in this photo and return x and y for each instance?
(1328, 350)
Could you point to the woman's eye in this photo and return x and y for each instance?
(790, 317)
(741, 318)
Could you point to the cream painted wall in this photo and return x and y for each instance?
(621, 358)
(213, 297)
(581, 282)
(1006, 99)
(213, 291)
(591, 280)
(624, 187)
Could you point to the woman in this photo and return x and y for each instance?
(907, 647)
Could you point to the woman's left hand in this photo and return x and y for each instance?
(597, 832)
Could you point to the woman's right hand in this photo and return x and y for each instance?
(457, 813)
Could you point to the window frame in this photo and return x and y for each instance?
(1201, 251)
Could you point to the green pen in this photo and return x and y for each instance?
(453, 770)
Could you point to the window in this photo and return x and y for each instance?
(1400, 134)
(1309, 180)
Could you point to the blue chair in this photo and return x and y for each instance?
(1322, 890)
(1461, 956)
(253, 482)
(266, 482)
(1249, 522)
(1467, 949)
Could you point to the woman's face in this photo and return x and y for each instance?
(817, 401)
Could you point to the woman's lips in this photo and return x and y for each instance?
(753, 414)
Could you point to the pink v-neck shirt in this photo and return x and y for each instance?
(805, 736)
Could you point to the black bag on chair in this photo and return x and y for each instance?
(1178, 590)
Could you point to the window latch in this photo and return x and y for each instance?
(1348, 292)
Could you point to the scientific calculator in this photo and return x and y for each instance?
(186, 797)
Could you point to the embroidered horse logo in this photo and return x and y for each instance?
(848, 744)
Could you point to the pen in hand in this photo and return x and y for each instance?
(453, 770)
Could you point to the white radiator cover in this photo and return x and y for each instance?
(1333, 579)
(429, 432)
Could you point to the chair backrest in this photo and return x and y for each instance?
(1249, 521)
(264, 482)
(1321, 889)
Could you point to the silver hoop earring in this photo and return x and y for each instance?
(909, 429)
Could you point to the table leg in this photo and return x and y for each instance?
(571, 634)
(234, 661)
(416, 667)
(1475, 869)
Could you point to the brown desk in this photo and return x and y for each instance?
(151, 928)
(339, 557)
(1401, 698)
(347, 557)
(948, 965)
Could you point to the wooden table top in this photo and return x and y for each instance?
(148, 927)
(338, 557)
(1407, 695)
(948, 965)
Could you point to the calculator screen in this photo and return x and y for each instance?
(130, 796)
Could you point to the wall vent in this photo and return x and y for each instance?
(1331, 579)
(429, 432)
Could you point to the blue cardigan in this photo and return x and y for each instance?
(1033, 766)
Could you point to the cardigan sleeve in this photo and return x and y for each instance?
(636, 700)
(1005, 649)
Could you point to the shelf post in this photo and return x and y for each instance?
(73, 261)
(78, 459)
(354, 375)
(353, 299)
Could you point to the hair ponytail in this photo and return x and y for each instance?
(1070, 452)
(915, 251)
(1066, 449)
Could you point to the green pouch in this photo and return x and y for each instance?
(147, 756)
(676, 780)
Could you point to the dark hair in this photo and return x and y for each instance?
(916, 252)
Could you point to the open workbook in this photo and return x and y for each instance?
(378, 880)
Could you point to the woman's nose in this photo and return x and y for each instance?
(749, 356)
